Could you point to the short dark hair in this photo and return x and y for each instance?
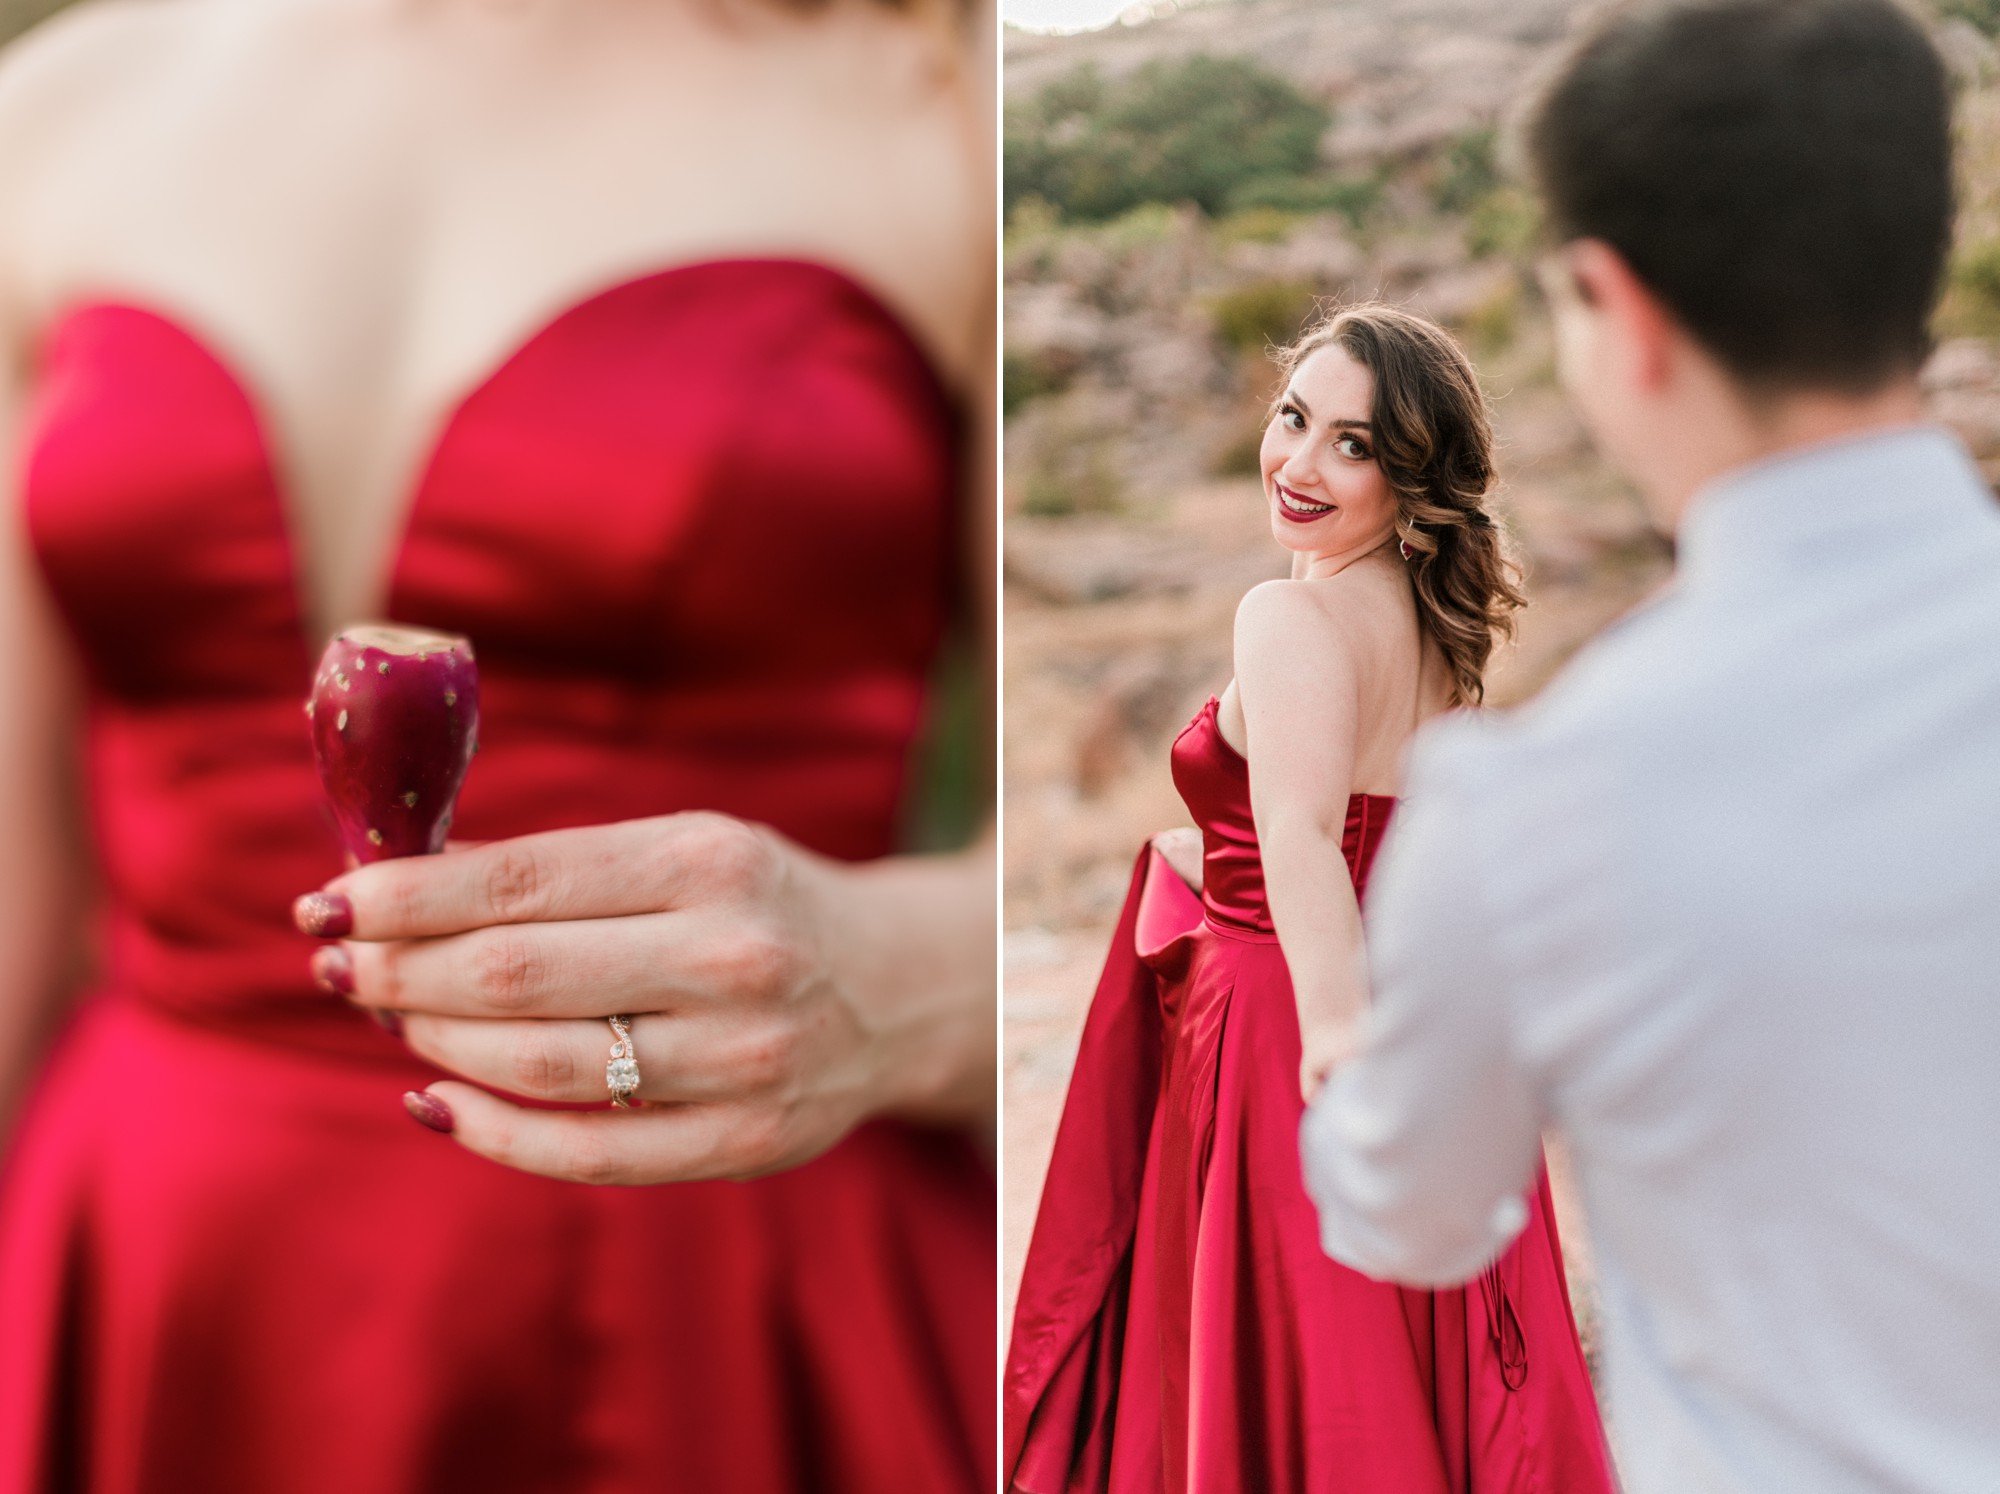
(1778, 172)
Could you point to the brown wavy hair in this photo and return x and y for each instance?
(1434, 443)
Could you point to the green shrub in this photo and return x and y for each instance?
(1253, 317)
(1490, 326)
(1136, 227)
(1353, 197)
(1034, 232)
(1505, 222)
(1977, 271)
(1187, 130)
(1257, 225)
(1026, 377)
(1467, 172)
(1972, 299)
(950, 768)
(1032, 218)
(1076, 478)
(1985, 14)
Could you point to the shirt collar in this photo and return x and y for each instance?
(1833, 496)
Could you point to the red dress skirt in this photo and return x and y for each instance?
(1178, 1327)
(228, 1261)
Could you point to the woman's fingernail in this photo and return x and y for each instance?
(389, 1022)
(428, 1110)
(324, 915)
(333, 970)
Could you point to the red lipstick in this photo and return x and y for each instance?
(1320, 510)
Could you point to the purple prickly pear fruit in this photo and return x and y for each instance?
(395, 721)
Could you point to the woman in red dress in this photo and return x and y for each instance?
(1178, 1328)
(646, 345)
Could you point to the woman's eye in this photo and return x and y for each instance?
(1294, 421)
(1350, 446)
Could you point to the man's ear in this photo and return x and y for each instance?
(1642, 334)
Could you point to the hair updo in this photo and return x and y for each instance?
(1434, 443)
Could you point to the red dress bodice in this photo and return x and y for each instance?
(1214, 783)
(697, 527)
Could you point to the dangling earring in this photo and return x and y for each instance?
(1404, 546)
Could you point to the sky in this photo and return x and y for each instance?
(1062, 15)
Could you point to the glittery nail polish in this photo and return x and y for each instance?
(429, 1110)
(324, 915)
(333, 970)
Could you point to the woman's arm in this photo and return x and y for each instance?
(1295, 678)
(57, 81)
(926, 928)
(40, 855)
(923, 932)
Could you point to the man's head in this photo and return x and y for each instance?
(1750, 203)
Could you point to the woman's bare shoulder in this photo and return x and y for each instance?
(1283, 619)
(1354, 623)
(64, 82)
(917, 126)
(1351, 602)
(83, 71)
(70, 58)
(1283, 602)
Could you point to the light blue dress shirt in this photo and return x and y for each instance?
(1723, 906)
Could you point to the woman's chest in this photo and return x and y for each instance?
(744, 463)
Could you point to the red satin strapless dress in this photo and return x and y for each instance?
(1178, 1327)
(699, 527)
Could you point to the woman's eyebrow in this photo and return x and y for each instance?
(1291, 397)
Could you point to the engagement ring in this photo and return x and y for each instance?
(621, 1074)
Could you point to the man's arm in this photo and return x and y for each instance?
(1419, 1150)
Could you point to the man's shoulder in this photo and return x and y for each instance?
(1541, 804)
(1613, 696)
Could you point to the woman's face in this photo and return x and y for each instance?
(1326, 493)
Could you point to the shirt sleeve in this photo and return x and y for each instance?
(1418, 1152)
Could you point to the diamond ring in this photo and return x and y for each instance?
(621, 1074)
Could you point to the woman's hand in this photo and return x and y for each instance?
(1180, 848)
(777, 998)
(1325, 1043)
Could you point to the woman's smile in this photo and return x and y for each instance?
(1296, 507)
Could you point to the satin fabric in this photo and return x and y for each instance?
(1178, 1327)
(699, 527)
